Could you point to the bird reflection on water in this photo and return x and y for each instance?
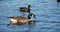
(21, 26)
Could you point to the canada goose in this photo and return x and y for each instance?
(19, 20)
(25, 9)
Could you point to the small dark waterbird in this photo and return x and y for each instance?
(25, 9)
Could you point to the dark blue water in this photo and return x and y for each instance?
(47, 16)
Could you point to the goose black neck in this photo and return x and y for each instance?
(29, 8)
(29, 17)
(29, 11)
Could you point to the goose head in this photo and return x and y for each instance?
(30, 16)
(29, 6)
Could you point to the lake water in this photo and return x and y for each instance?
(49, 22)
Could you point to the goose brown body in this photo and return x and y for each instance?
(19, 20)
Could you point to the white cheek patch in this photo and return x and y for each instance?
(13, 21)
(32, 15)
